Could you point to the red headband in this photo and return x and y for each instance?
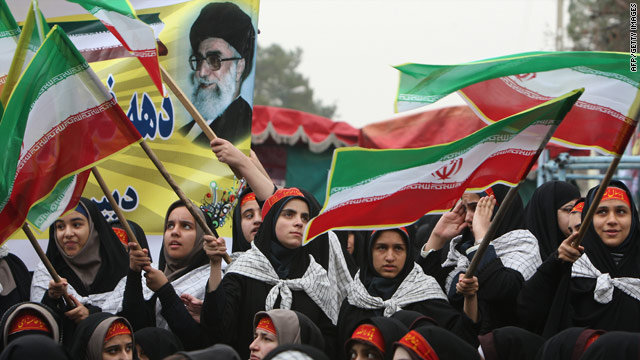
(369, 334)
(419, 345)
(277, 196)
(578, 207)
(267, 325)
(122, 235)
(117, 327)
(614, 193)
(28, 320)
(247, 198)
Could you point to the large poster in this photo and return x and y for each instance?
(208, 48)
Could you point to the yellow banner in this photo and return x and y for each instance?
(195, 38)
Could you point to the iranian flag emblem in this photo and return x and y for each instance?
(376, 189)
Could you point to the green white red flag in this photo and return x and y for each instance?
(375, 189)
(31, 37)
(59, 121)
(499, 87)
(9, 32)
(136, 36)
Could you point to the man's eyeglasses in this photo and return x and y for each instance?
(213, 61)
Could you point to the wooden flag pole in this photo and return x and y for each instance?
(491, 232)
(46, 262)
(191, 109)
(195, 212)
(586, 221)
(114, 205)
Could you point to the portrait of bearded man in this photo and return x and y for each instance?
(223, 45)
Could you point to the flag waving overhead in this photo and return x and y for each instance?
(136, 36)
(59, 121)
(33, 32)
(500, 87)
(9, 32)
(373, 189)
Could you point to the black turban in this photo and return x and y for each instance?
(228, 22)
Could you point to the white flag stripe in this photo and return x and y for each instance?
(56, 102)
(528, 140)
(137, 35)
(599, 90)
(9, 45)
(102, 40)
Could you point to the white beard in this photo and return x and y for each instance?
(212, 102)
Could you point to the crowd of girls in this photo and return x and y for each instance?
(398, 293)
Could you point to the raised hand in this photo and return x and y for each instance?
(568, 253)
(482, 217)
(138, 257)
(57, 289)
(155, 278)
(227, 153)
(450, 224)
(467, 287)
(215, 248)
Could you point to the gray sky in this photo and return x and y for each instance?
(350, 45)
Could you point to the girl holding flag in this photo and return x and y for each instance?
(511, 258)
(277, 272)
(596, 285)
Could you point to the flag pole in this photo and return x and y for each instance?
(504, 206)
(114, 205)
(191, 109)
(195, 212)
(46, 262)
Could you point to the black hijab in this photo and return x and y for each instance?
(195, 259)
(601, 255)
(43, 312)
(114, 258)
(240, 243)
(541, 213)
(157, 343)
(85, 340)
(217, 351)
(377, 285)
(137, 231)
(391, 330)
(413, 319)
(343, 238)
(445, 344)
(289, 263)
(614, 345)
(510, 342)
(568, 344)
(34, 347)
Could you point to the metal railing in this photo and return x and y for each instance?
(563, 167)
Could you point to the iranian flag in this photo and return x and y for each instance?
(499, 87)
(31, 37)
(9, 32)
(60, 120)
(376, 189)
(136, 36)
